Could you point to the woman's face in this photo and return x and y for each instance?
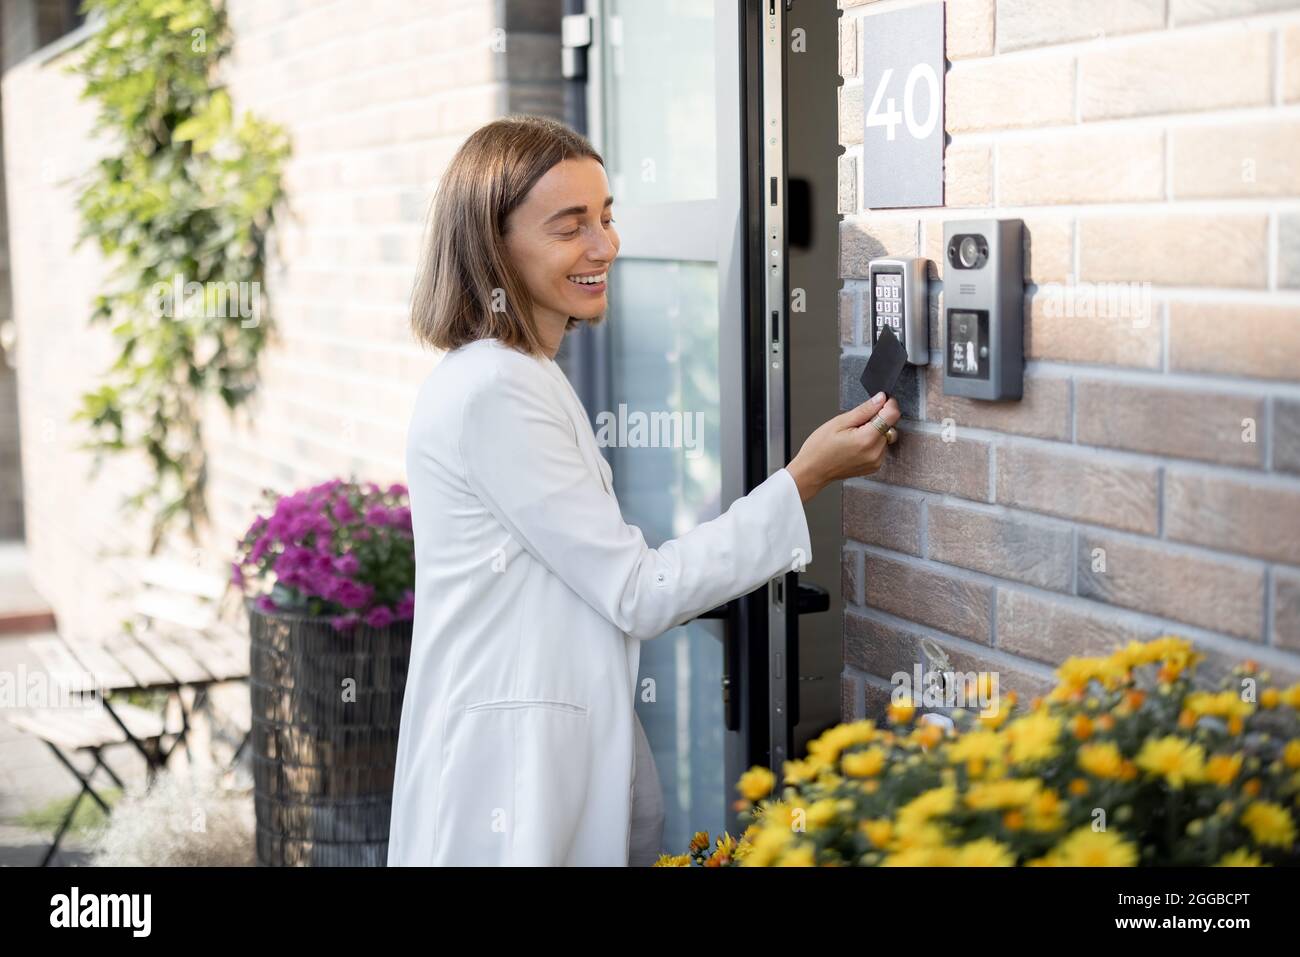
(562, 233)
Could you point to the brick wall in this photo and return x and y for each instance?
(376, 97)
(1150, 142)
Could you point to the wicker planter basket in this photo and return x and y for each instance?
(324, 751)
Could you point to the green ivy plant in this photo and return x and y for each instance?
(183, 202)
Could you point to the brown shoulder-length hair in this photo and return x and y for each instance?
(467, 288)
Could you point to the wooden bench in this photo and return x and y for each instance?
(181, 637)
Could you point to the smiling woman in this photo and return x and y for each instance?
(538, 190)
(519, 740)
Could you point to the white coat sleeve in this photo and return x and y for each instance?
(522, 459)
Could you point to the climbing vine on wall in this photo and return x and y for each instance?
(181, 206)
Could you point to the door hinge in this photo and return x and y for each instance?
(575, 39)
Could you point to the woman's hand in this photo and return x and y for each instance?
(844, 447)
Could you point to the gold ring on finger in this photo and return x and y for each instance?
(881, 426)
(892, 435)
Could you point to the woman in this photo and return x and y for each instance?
(519, 741)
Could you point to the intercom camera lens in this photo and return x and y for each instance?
(968, 251)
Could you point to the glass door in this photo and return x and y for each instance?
(662, 109)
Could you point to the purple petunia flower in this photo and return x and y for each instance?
(379, 617)
(349, 594)
(406, 606)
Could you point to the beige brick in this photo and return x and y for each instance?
(1290, 66)
(969, 28)
(1186, 423)
(866, 238)
(1176, 73)
(1286, 609)
(848, 320)
(998, 544)
(879, 516)
(1199, 11)
(851, 576)
(1242, 159)
(875, 699)
(923, 460)
(1031, 23)
(967, 175)
(1235, 339)
(850, 699)
(1223, 596)
(851, 118)
(1078, 485)
(1044, 411)
(1286, 436)
(950, 604)
(1258, 519)
(848, 185)
(849, 46)
(1000, 94)
(1051, 630)
(1115, 324)
(1048, 248)
(1087, 167)
(1176, 249)
(1288, 250)
(884, 649)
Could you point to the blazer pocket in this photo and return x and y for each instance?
(514, 703)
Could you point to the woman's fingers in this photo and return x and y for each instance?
(864, 413)
(891, 413)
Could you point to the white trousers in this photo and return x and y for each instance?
(647, 806)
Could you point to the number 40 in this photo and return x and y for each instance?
(890, 118)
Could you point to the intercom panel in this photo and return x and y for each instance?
(897, 299)
(983, 304)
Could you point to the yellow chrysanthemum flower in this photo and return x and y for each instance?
(799, 771)
(1176, 759)
(1075, 672)
(985, 852)
(1033, 737)
(1088, 848)
(901, 711)
(1241, 857)
(977, 745)
(1221, 704)
(927, 805)
(673, 860)
(1102, 760)
(864, 764)
(756, 783)
(879, 831)
(1291, 754)
(822, 813)
(1269, 824)
(1222, 769)
(936, 855)
(994, 795)
(802, 855)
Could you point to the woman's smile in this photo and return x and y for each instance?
(591, 283)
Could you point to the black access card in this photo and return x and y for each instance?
(885, 365)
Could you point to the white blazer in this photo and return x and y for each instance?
(532, 597)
